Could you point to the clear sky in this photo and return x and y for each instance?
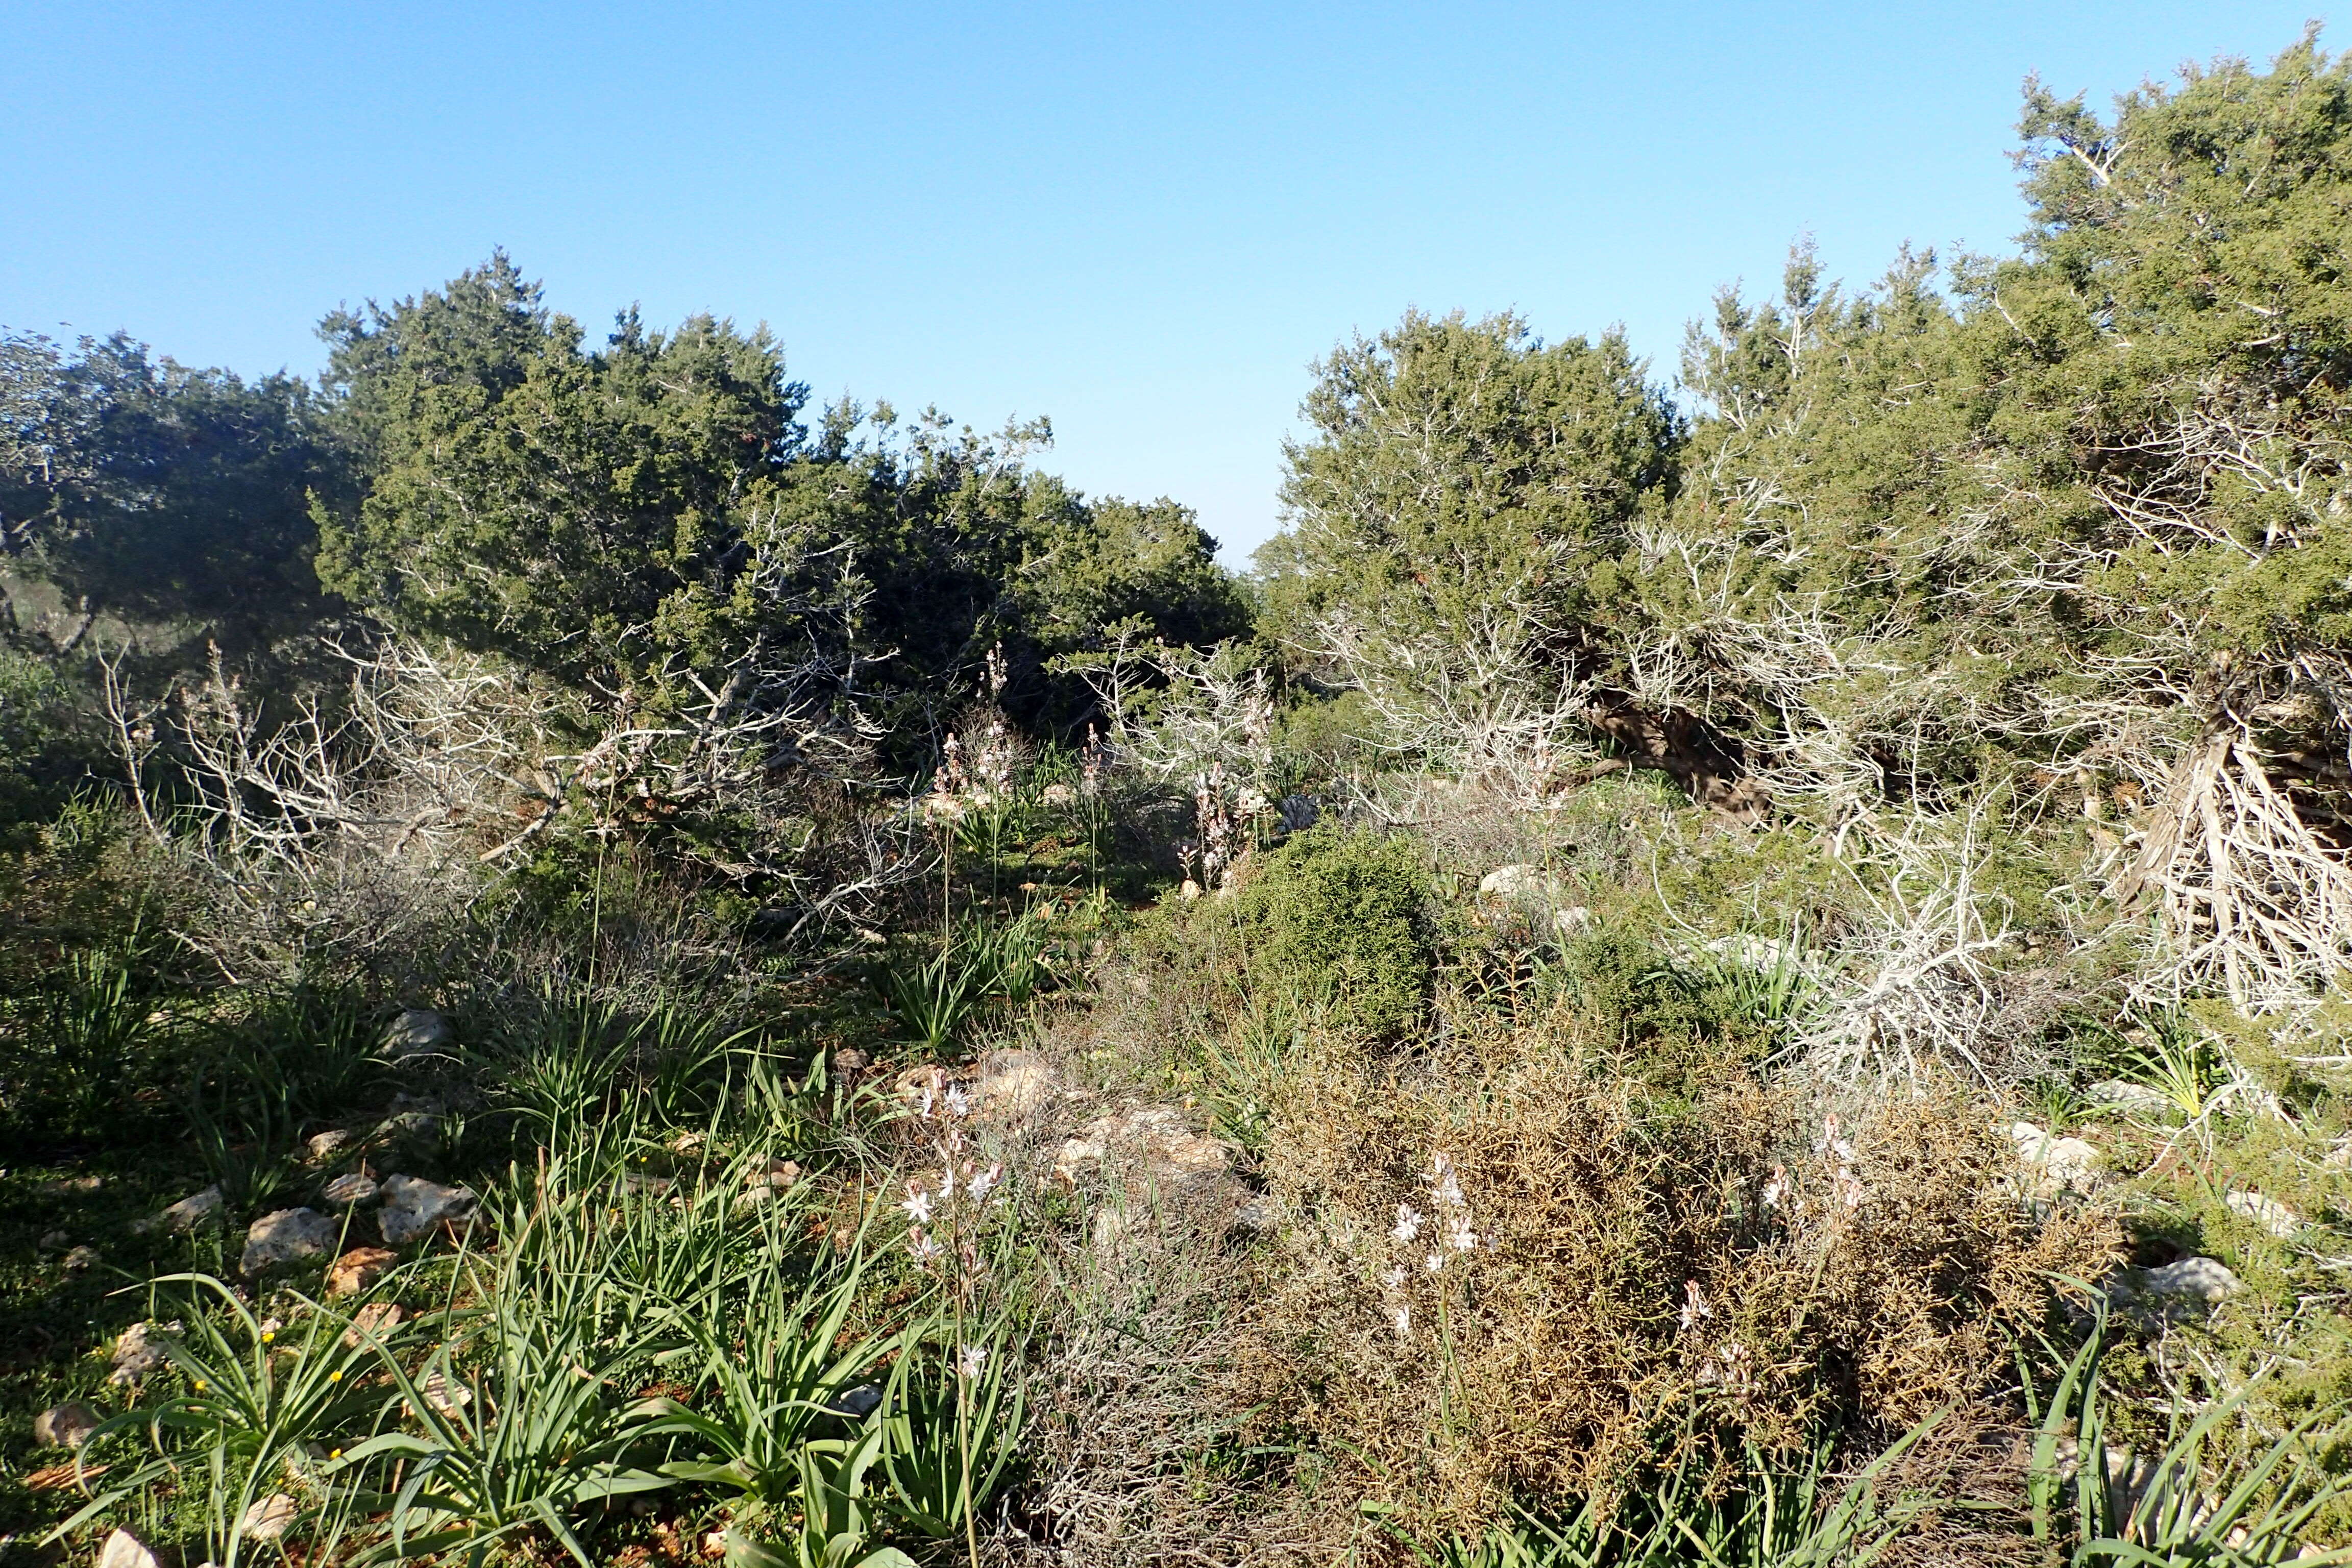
(1141, 221)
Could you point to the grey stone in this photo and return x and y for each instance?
(124, 1550)
(1013, 1083)
(855, 1401)
(195, 1210)
(2131, 1099)
(80, 1258)
(413, 1206)
(269, 1517)
(1153, 1140)
(139, 1350)
(2269, 1213)
(346, 1190)
(417, 1032)
(66, 1426)
(325, 1146)
(2192, 1284)
(285, 1236)
(2055, 1165)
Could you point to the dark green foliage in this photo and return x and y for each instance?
(1677, 1014)
(585, 512)
(1341, 917)
(49, 743)
(625, 513)
(142, 488)
(1453, 463)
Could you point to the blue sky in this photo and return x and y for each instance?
(1141, 221)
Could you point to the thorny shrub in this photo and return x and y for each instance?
(1511, 1284)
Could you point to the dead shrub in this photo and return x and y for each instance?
(1518, 1284)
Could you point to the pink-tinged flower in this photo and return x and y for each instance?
(918, 1205)
(979, 1187)
(1408, 1225)
(920, 1243)
(1850, 1190)
(973, 1358)
(1443, 1182)
(1694, 1306)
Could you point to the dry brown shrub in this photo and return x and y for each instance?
(1734, 1267)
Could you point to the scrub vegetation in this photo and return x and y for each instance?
(601, 965)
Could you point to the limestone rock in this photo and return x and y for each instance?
(357, 1269)
(2055, 1165)
(283, 1238)
(66, 1426)
(80, 1258)
(417, 1032)
(1516, 881)
(348, 1189)
(1257, 1216)
(2269, 1213)
(780, 1176)
(2190, 1285)
(195, 1210)
(855, 1403)
(124, 1550)
(2131, 1099)
(1532, 888)
(1013, 1083)
(446, 1397)
(1152, 1141)
(139, 1350)
(325, 1146)
(413, 1206)
(269, 1517)
(375, 1321)
(411, 1116)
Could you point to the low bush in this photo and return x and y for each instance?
(1500, 1285)
(1339, 918)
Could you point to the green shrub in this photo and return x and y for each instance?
(1342, 917)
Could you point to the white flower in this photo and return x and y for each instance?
(1459, 1235)
(1776, 1188)
(978, 1187)
(1694, 1306)
(920, 1243)
(1403, 1318)
(1443, 1183)
(1408, 1225)
(958, 1102)
(1394, 1277)
(1850, 1189)
(974, 1357)
(930, 1101)
(1436, 1260)
(918, 1205)
(947, 1182)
